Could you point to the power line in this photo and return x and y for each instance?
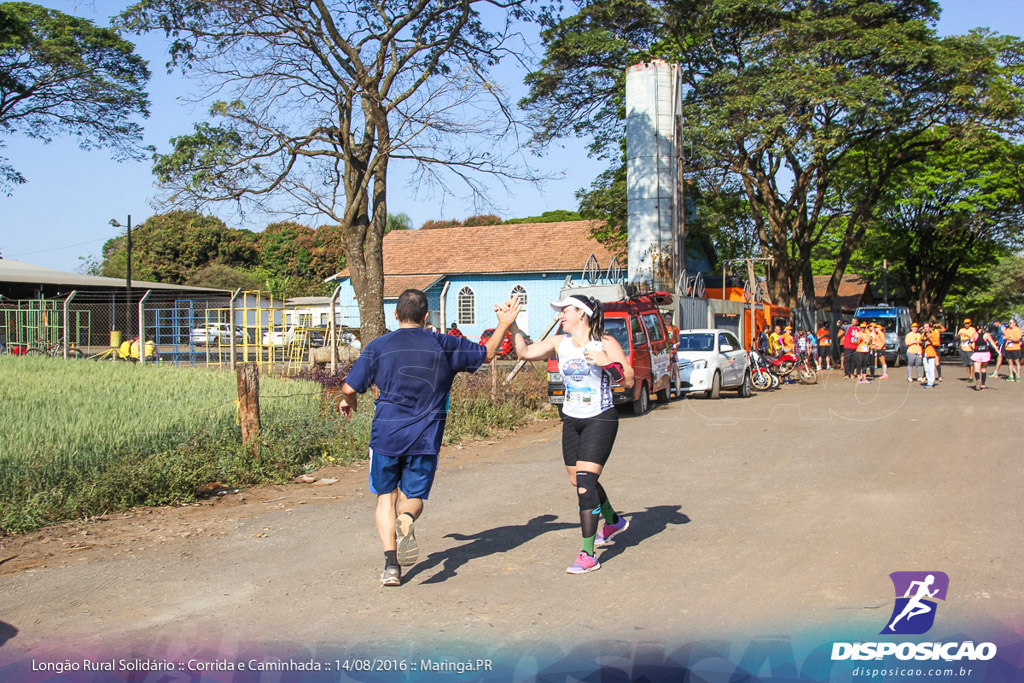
(66, 246)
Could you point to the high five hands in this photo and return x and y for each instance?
(508, 311)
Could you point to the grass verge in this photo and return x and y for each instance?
(82, 438)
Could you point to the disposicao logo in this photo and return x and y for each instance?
(914, 614)
(916, 592)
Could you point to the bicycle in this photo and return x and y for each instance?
(55, 350)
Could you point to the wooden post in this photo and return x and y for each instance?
(494, 378)
(249, 400)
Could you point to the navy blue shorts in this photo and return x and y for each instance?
(413, 475)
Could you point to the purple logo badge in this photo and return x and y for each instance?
(916, 593)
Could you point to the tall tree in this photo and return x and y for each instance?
(777, 96)
(317, 97)
(287, 248)
(955, 212)
(328, 252)
(1001, 296)
(62, 75)
(170, 247)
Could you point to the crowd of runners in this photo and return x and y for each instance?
(859, 349)
(977, 344)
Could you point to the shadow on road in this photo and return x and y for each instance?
(487, 542)
(643, 526)
(6, 632)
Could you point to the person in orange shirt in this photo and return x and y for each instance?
(914, 363)
(787, 344)
(862, 356)
(936, 333)
(965, 340)
(1012, 337)
(824, 347)
(878, 350)
(786, 341)
(930, 349)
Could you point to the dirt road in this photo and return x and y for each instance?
(781, 514)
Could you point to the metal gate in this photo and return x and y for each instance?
(691, 302)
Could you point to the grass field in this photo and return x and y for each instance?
(80, 438)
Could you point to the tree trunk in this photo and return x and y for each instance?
(363, 239)
(248, 377)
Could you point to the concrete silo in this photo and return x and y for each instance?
(653, 177)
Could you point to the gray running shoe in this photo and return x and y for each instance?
(408, 549)
(392, 576)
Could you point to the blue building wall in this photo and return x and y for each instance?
(490, 290)
(487, 290)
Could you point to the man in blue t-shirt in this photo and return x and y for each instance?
(413, 370)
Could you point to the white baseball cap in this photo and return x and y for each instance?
(573, 301)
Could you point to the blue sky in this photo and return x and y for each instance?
(63, 212)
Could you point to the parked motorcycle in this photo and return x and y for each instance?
(761, 374)
(806, 370)
(783, 364)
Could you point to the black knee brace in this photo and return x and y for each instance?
(587, 490)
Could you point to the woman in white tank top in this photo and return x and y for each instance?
(590, 362)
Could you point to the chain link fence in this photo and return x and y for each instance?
(87, 324)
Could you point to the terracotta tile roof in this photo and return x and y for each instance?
(517, 248)
(854, 291)
(394, 285)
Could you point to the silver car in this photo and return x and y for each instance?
(214, 333)
(711, 360)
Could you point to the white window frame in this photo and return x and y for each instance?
(524, 297)
(466, 306)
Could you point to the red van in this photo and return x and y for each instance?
(637, 324)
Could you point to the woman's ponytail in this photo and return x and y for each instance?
(596, 320)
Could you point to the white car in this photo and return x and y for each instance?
(214, 333)
(712, 360)
(279, 337)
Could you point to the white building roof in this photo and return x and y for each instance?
(26, 273)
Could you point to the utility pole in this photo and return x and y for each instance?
(885, 281)
(128, 277)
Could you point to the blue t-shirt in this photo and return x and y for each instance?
(413, 369)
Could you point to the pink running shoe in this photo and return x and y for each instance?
(583, 564)
(609, 531)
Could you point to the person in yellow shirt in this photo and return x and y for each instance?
(1012, 338)
(915, 364)
(773, 340)
(965, 340)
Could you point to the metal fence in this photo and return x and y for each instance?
(692, 302)
(86, 323)
(159, 326)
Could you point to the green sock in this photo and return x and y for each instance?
(610, 516)
(588, 545)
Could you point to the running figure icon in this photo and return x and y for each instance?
(917, 595)
(916, 606)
